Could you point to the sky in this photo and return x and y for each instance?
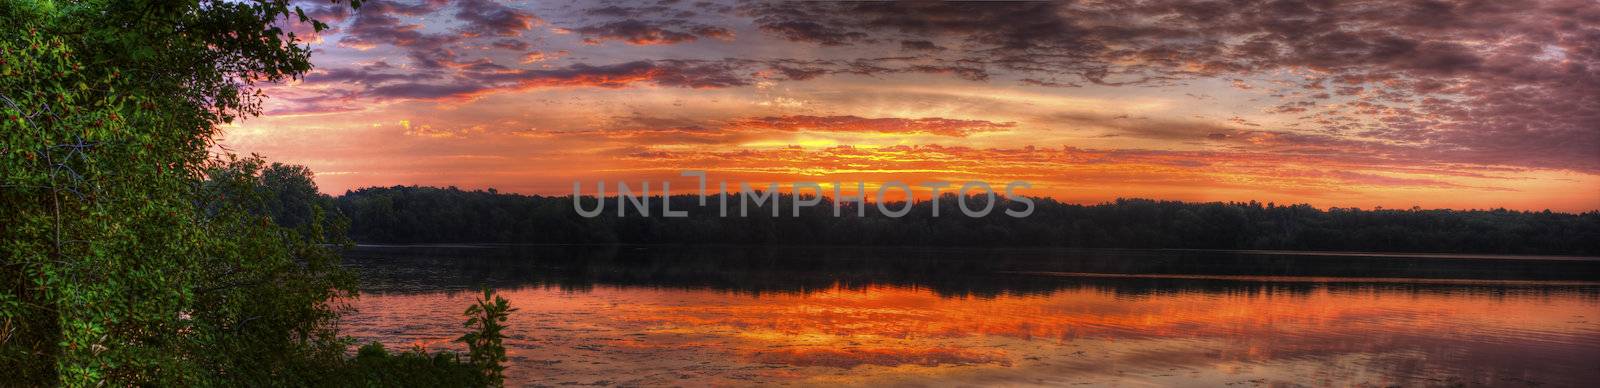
(1432, 104)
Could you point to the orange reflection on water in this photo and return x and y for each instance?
(882, 334)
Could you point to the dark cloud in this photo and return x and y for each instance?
(490, 18)
(658, 11)
(1142, 127)
(641, 129)
(1505, 82)
(378, 23)
(471, 83)
(919, 45)
(700, 74)
(1048, 83)
(662, 23)
(423, 91)
(650, 33)
(330, 13)
(510, 44)
(691, 74)
(713, 32)
(807, 31)
(612, 11)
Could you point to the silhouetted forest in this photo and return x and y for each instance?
(947, 271)
(410, 214)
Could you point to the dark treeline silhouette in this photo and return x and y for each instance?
(946, 271)
(411, 214)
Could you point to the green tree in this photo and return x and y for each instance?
(292, 196)
(130, 255)
(264, 309)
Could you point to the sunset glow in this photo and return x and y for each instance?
(731, 193)
(1354, 104)
(887, 335)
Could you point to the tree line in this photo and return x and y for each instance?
(413, 214)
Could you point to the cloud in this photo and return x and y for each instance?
(1383, 180)
(326, 13)
(801, 30)
(422, 91)
(1142, 127)
(639, 32)
(660, 24)
(652, 130)
(1509, 82)
(310, 108)
(428, 131)
(510, 44)
(660, 10)
(919, 45)
(540, 56)
(1236, 169)
(362, 76)
(378, 23)
(471, 84)
(489, 18)
(1512, 83)
(926, 125)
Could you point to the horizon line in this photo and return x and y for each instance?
(999, 196)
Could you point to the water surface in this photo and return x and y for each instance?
(827, 316)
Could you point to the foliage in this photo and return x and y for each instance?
(131, 255)
(266, 306)
(443, 215)
(375, 366)
(484, 348)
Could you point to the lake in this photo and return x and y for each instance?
(697, 316)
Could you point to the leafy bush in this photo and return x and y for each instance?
(484, 348)
(133, 256)
(375, 366)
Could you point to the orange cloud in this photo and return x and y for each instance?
(926, 125)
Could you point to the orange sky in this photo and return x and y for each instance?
(1472, 106)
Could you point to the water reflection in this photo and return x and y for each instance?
(734, 316)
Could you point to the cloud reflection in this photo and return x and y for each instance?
(641, 335)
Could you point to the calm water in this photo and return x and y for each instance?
(830, 316)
